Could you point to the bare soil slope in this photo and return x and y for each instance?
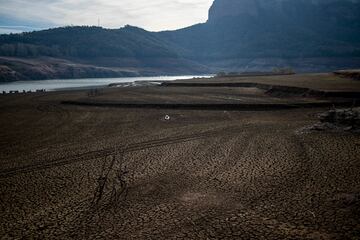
(316, 81)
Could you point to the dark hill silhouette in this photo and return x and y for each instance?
(78, 52)
(86, 42)
(268, 29)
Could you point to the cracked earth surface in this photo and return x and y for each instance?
(200, 175)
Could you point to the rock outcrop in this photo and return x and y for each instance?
(258, 35)
(254, 8)
(221, 9)
(339, 119)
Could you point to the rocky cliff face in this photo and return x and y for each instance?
(319, 34)
(221, 8)
(254, 8)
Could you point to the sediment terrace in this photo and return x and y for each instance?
(233, 93)
(72, 171)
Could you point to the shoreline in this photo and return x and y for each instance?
(56, 84)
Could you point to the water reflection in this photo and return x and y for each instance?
(59, 84)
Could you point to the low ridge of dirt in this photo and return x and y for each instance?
(354, 74)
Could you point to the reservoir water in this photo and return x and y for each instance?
(62, 84)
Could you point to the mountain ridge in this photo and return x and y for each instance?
(240, 35)
(239, 31)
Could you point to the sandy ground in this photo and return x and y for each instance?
(76, 172)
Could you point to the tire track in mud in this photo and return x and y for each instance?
(108, 151)
(247, 156)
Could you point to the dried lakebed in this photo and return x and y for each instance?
(80, 172)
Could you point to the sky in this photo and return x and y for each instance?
(152, 15)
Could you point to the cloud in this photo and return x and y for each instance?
(152, 15)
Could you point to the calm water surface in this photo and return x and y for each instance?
(60, 84)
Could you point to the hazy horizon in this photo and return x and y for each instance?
(20, 15)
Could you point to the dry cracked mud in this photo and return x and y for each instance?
(77, 172)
